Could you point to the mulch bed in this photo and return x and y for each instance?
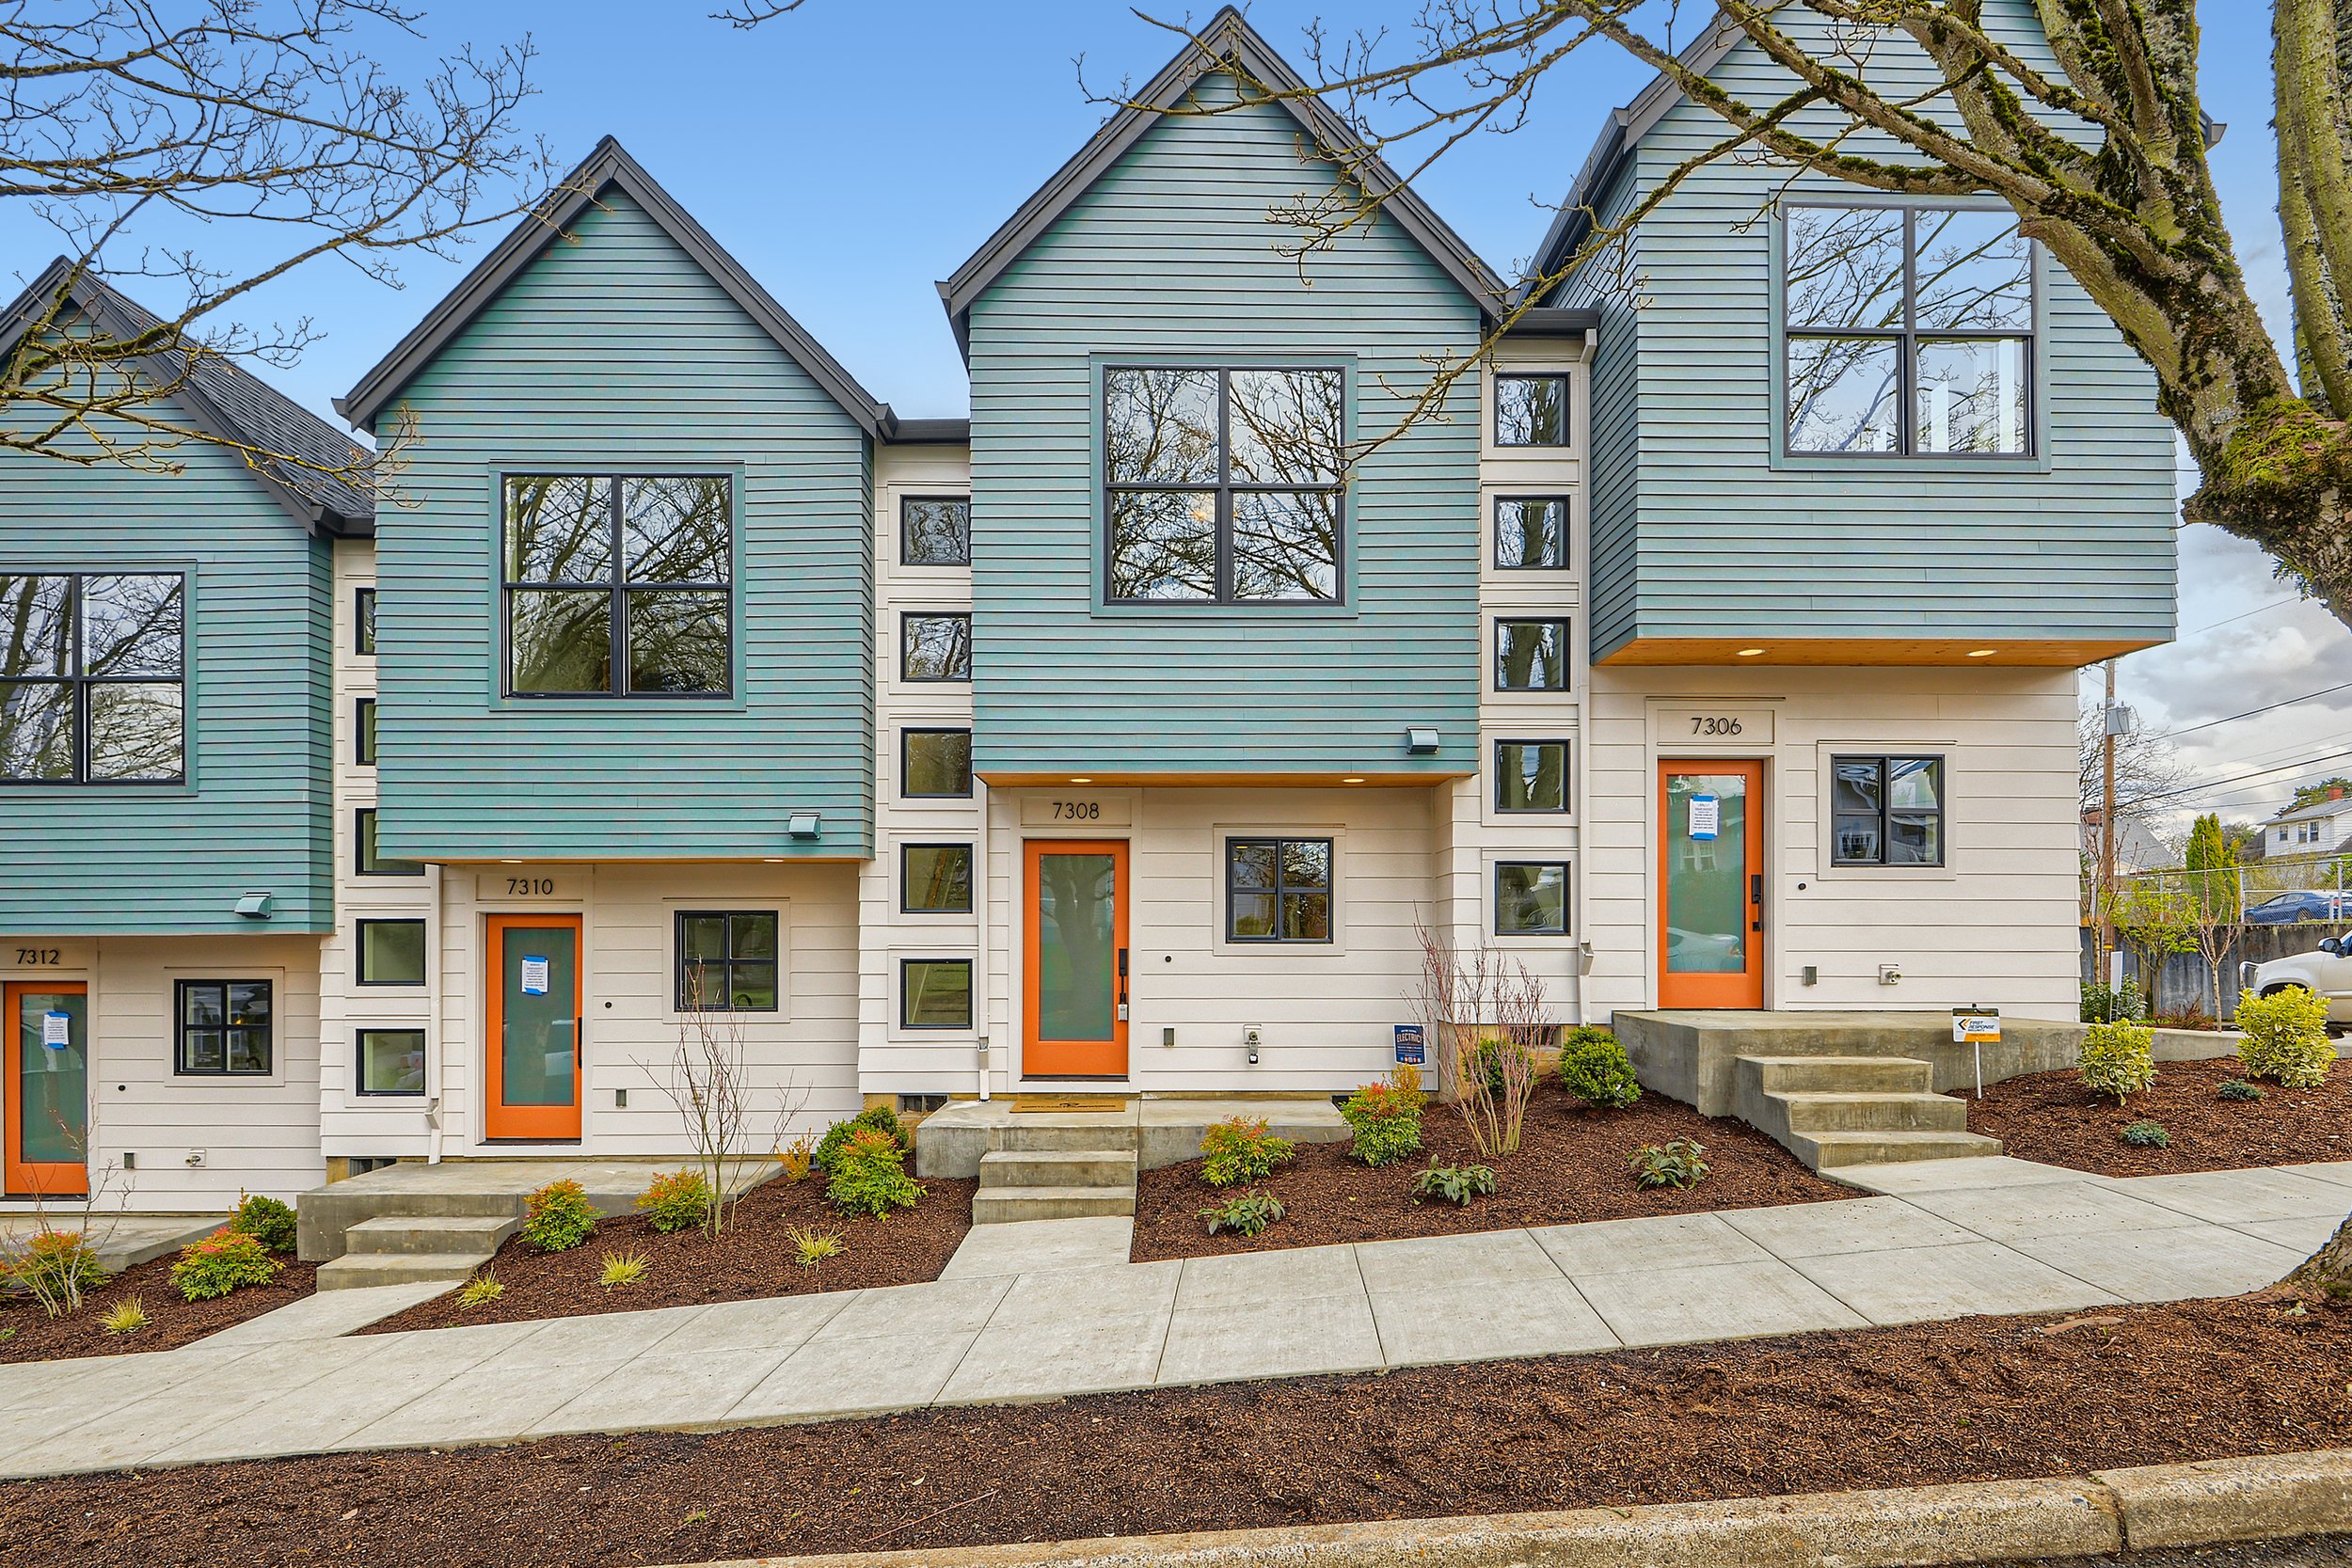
(752, 1258)
(1570, 1166)
(31, 1335)
(1981, 1398)
(2053, 1117)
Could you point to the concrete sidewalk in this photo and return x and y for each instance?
(2006, 1236)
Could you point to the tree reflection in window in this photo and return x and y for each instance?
(619, 585)
(91, 667)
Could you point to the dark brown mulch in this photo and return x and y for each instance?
(31, 1335)
(752, 1258)
(2053, 1117)
(1570, 1166)
(1977, 1400)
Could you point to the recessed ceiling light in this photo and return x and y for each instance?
(773, 859)
(1749, 653)
(1982, 653)
(1351, 781)
(1082, 780)
(504, 861)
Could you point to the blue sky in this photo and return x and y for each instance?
(851, 154)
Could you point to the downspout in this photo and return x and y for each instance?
(1578, 893)
(981, 906)
(433, 1024)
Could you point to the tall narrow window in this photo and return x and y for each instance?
(619, 586)
(1909, 330)
(1530, 655)
(1531, 410)
(935, 647)
(91, 678)
(1224, 486)
(1530, 533)
(363, 620)
(364, 732)
(935, 531)
(1886, 811)
(224, 1028)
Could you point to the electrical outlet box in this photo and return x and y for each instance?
(196, 1157)
(1890, 975)
(129, 1160)
(1812, 975)
(1167, 1034)
(620, 1099)
(1253, 1036)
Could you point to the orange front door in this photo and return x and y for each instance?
(45, 1098)
(1074, 1006)
(533, 1089)
(1710, 884)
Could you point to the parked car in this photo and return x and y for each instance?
(2285, 909)
(2327, 971)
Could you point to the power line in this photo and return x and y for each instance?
(2242, 778)
(2292, 599)
(2270, 707)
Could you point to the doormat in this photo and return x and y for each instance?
(1065, 1102)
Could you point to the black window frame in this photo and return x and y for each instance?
(906, 557)
(1567, 873)
(362, 841)
(359, 1062)
(620, 585)
(364, 732)
(79, 685)
(905, 992)
(359, 952)
(1567, 780)
(907, 733)
(680, 996)
(971, 881)
(364, 608)
(267, 1029)
(1567, 411)
(1887, 811)
(906, 627)
(1281, 888)
(1224, 489)
(1567, 515)
(1567, 650)
(1907, 338)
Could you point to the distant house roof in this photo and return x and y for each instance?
(2341, 806)
(223, 400)
(1226, 42)
(609, 167)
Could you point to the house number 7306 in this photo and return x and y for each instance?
(1701, 724)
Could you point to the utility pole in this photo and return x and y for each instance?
(2106, 831)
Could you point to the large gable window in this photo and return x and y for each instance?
(1223, 487)
(90, 672)
(1909, 331)
(618, 585)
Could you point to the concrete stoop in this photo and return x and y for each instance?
(1053, 1184)
(402, 1249)
(1833, 1111)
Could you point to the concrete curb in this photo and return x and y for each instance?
(2273, 1497)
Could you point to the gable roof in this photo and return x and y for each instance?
(2341, 806)
(1226, 42)
(222, 399)
(609, 167)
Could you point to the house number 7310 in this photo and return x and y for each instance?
(1701, 724)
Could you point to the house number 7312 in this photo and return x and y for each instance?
(1701, 724)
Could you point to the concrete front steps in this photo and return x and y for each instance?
(1831, 1111)
(1069, 1176)
(401, 1249)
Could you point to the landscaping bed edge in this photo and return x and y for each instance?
(2205, 1502)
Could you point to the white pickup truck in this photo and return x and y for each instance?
(2327, 971)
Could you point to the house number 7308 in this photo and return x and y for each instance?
(1701, 724)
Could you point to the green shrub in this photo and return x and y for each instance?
(869, 1175)
(2238, 1088)
(223, 1261)
(2147, 1134)
(56, 1268)
(1678, 1164)
(1244, 1214)
(677, 1201)
(1386, 1122)
(1595, 1069)
(2286, 1036)
(1242, 1149)
(558, 1217)
(1456, 1184)
(1488, 1058)
(879, 1119)
(266, 1220)
(2113, 1004)
(2116, 1059)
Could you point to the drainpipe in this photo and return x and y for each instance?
(982, 911)
(433, 1018)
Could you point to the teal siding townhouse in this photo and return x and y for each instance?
(1712, 643)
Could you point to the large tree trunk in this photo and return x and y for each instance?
(2330, 1269)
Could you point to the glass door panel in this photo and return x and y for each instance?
(1074, 1003)
(535, 1028)
(48, 1088)
(1711, 865)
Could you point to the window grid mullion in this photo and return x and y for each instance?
(1224, 486)
(616, 679)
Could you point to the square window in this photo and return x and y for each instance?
(369, 861)
(935, 531)
(391, 951)
(391, 1061)
(1278, 890)
(363, 733)
(1531, 775)
(727, 961)
(935, 993)
(91, 665)
(1530, 533)
(1531, 656)
(935, 763)
(1886, 811)
(935, 879)
(935, 647)
(363, 620)
(223, 1028)
(1530, 898)
(1531, 410)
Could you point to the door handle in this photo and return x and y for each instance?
(1756, 900)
